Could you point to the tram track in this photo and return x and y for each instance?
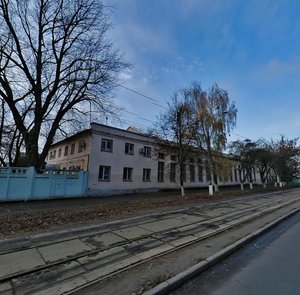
(131, 252)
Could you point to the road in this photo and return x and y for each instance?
(64, 261)
(268, 265)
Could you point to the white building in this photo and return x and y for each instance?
(123, 161)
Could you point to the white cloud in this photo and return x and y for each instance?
(124, 76)
(205, 8)
(277, 69)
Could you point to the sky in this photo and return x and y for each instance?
(250, 48)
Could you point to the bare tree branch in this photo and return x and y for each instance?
(55, 55)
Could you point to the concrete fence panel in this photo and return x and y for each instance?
(23, 184)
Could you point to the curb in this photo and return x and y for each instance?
(177, 280)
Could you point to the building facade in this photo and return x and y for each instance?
(124, 161)
(72, 153)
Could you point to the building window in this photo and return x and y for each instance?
(72, 148)
(221, 178)
(173, 158)
(236, 175)
(183, 173)
(106, 145)
(54, 154)
(215, 178)
(200, 173)
(147, 151)
(66, 150)
(127, 174)
(81, 146)
(161, 156)
(104, 173)
(173, 172)
(146, 174)
(59, 152)
(161, 172)
(192, 173)
(129, 148)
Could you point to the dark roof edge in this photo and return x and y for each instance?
(80, 133)
(123, 130)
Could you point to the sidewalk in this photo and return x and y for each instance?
(40, 216)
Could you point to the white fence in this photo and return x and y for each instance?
(23, 184)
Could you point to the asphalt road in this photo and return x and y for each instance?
(269, 265)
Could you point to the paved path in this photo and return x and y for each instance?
(61, 261)
(268, 265)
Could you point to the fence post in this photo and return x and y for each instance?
(83, 182)
(7, 174)
(29, 179)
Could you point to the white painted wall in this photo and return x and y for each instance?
(93, 157)
(118, 160)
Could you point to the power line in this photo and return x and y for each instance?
(151, 121)
(154, 101)
(129, 112)
(132, 113)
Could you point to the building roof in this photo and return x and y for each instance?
(109, 130)
(73, 137)
(130, 131)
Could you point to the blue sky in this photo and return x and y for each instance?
(250, 48)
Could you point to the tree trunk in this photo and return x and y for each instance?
(32, 151)
(242, 186)
(182, 190)
(211, 190)
(181, 181)
(216, 187)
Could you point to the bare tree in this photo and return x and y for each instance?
(55, 60)
(11, 140)
(3, 135)
(264, 159)
(274, 159)
(175, 132)
(245, 153)
(286, 154)
(215, 117)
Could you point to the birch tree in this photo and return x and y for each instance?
(214, 117)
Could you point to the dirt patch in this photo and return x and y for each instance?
(35, 219)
